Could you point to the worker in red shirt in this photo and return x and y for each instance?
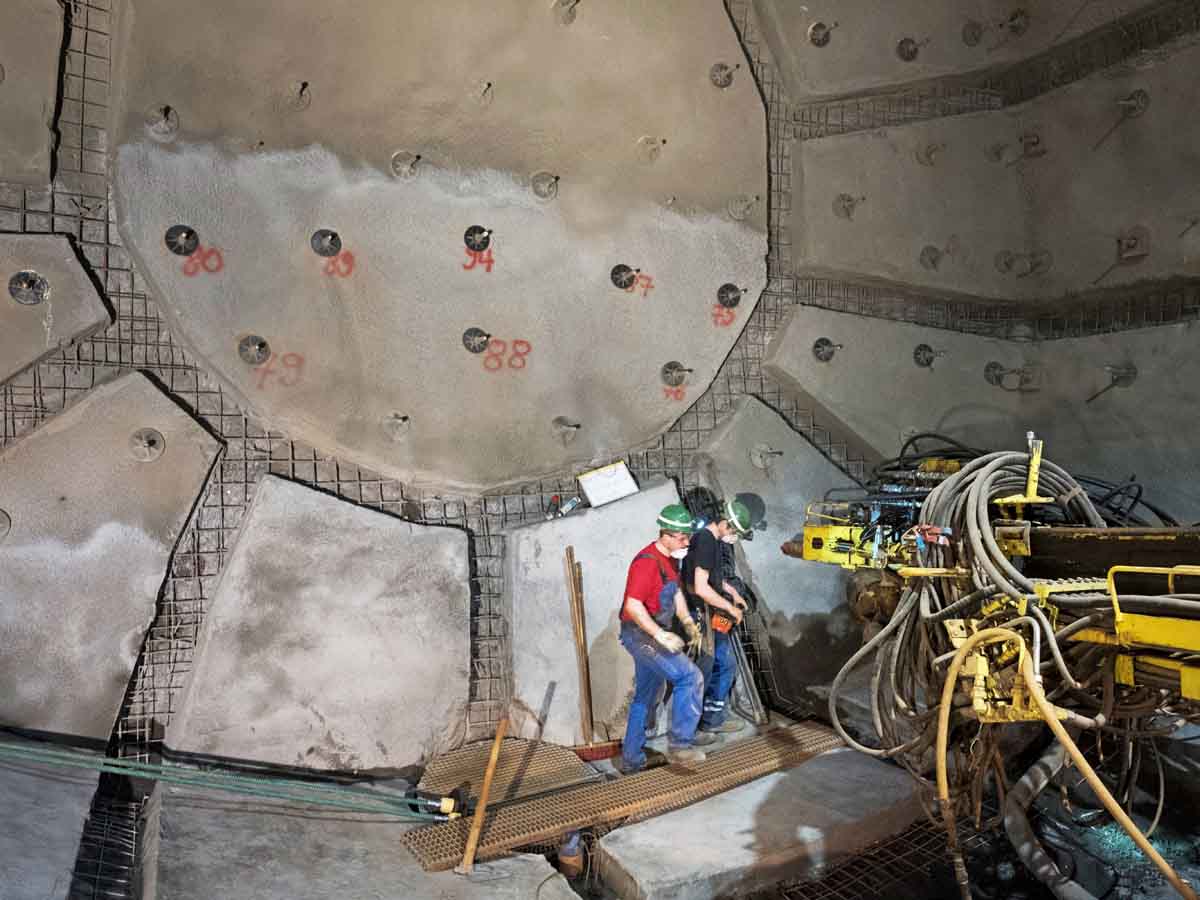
(652, 600)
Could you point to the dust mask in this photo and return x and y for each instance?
(730, 539)
(679, 554)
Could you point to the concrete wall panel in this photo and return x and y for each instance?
(876, 391)
(31, 38)
(71, 309)
(338, 638)
(93, 515)
(652, 159)
(980, 198)
(861, 53)
(545, 676)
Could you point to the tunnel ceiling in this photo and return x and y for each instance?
(459, 244)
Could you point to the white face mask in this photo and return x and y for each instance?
(730, 539)
(679, 554)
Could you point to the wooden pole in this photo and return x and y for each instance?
(468, 860)
(579, 635)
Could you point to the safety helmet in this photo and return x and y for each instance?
(737, 515)
(675, 518)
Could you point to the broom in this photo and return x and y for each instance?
(589, 751)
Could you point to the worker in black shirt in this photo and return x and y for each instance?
(704, 583)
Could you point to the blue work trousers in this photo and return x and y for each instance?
(654, 667)
(718, 671)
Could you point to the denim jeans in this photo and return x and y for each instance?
(718, 671)
(654, 666)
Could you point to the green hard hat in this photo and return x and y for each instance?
(675, 518)
(736, 514)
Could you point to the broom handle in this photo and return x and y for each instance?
(585, 671)
(468, 860)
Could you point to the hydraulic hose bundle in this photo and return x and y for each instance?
(964, 596)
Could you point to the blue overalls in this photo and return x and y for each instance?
(653, 667)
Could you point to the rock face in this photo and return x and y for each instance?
(218, 845)
(33, 267)
(97, 498)
(545, 675)
(44, 811)
(566, 149)
(338, 638)
(757, 456)
(31, 37)
(785, 826)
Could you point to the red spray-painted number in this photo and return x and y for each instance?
(722, 316)
(494, 361)
(479, 257)
(643, 282)
(340, 266)
(204, 259)
(293, 369)
(675, 393)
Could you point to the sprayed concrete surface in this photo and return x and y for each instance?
(92, 531)
(44, 811)
(197, 847)
(980, 198)
(803, 603)
(1143, 429)
(652, 160)
(31, 37)
(338, 638)
(862, 50)
(789, 825)
(71, 310)
(545, 674)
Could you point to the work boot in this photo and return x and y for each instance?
(686, 755)
(625, 768)
(729, 726)
(704, 738)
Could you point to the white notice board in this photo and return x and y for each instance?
(608, 483)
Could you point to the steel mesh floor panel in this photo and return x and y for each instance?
(627, 799)
(525, 768)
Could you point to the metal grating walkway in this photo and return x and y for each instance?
(525, 768)
(627, 799)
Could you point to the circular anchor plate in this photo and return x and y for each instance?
(729, 295)
(994, 372)
(254, 350)
(325, 242)
(28, 288)
(476, 339)
(5, 524)
(908, 49)
(622, 276)
(674, 374)
(824, 349)
(182, 240)
(924, 355)
(477, 238)
(147, 444)
(721, 75)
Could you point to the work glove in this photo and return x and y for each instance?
(694, 637)
(672, 643)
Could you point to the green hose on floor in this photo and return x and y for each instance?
(347, 798)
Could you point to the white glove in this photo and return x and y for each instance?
(669, 641)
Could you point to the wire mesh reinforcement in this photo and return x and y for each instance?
(524, 768)
(628, 799)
